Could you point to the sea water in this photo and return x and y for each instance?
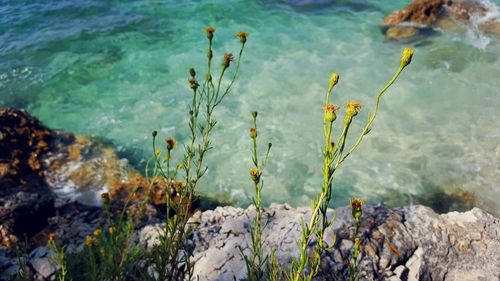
(118, 70)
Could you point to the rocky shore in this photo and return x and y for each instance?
(423, 17)
(37, 163)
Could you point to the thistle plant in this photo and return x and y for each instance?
(256, 263)
(334, 154)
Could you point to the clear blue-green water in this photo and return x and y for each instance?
(118, 70)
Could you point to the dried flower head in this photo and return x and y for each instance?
(242, 35)
(52, 237)
(253, 133)
(210, 32)
(356, 204)
(193, 84)
(105, 198)
(330, 112)
(255, 174)
(226, 61)
(171, 144)
(406, 57)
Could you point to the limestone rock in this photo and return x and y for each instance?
(411, 243)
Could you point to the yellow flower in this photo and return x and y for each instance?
(330, 112)
(352, 109)
(255, 174)
(406, 57)
(242, 35)
(89, 241)
(111, 229)
(97, 232)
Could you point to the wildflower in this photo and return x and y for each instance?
(52, 237)
(97, 232)
(255, 174)
(334, 79)
(352, 109)
(192, 72)
(171, 144)
(226, 61)
(105, 197)
(406, 57)
(111, 229)
(253, 133)
(330, 110)
(356, 204)
(242, 35)
(193, 84)
(89, 241)
(210, 32)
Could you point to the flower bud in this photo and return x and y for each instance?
(242, 35)
(269, 145)
(254, 114)
(255, 175)
(334, 79)
(330, 112)
(154, 133)
(192, 72)
(210, 32)
(253, 133)
(97, 232)
(406, 57)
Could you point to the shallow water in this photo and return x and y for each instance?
(118, 70)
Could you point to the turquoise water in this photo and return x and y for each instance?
(118, 70)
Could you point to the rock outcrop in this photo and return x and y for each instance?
(424, 16)
(411, 243)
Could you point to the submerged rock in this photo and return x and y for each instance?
(411, 243)
(423, 16)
